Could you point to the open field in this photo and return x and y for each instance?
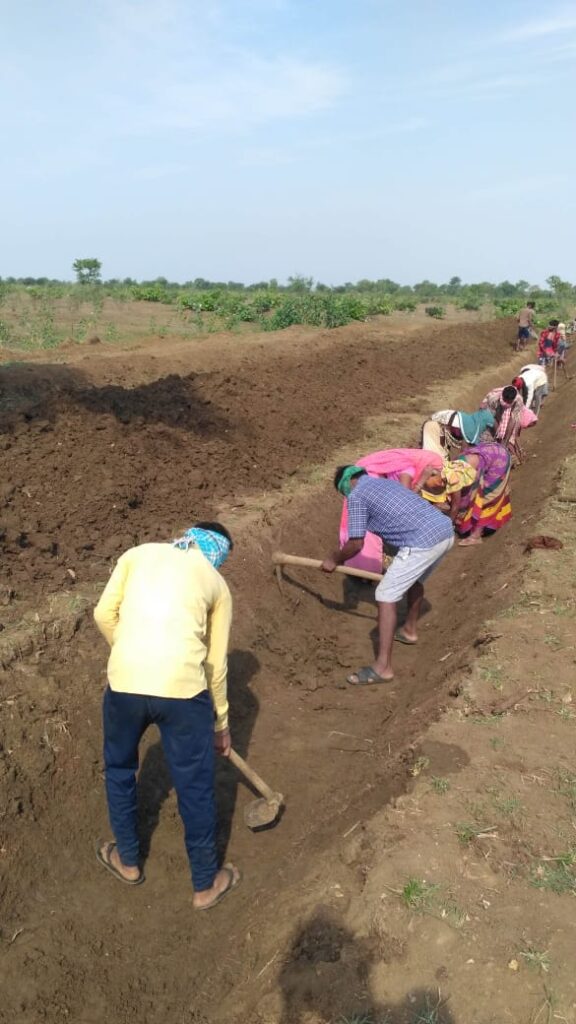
(49, 315)
(423, 870)
(44, 319)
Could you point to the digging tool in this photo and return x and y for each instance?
(263, 812)
(279, 558)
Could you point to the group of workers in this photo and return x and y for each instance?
(166, 610)
(415, 501)
(552, 344)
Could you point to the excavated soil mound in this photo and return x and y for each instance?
(89, 469)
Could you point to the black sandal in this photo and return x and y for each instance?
(103, 853)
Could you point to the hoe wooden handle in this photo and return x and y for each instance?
(251, 775)
(279, 558)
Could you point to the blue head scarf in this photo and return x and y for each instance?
(474, 424)
(214, 546)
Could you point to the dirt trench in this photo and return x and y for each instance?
(74, 946)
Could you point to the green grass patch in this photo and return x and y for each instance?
(557, 874)
(418, 894)
(440, 785)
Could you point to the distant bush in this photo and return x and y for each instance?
(509, 307)
(471, 305)
(438, 312)
(405, 305)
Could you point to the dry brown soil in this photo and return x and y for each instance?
(101, 449)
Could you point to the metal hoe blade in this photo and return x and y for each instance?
(263, 812)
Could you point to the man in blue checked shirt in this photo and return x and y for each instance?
(422, 535)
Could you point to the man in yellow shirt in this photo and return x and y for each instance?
(166, 613)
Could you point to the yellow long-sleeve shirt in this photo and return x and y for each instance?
(166, 614)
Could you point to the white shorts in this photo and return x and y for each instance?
(409, 566)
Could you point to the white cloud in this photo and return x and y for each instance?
(248, 91)
(180, 65)
(561, 21)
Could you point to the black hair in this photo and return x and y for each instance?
(509, 393)
(531, 304)
(553, 323)
(340, 471)
(522, 387)
(215, 528)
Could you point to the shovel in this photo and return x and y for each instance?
(263, 812)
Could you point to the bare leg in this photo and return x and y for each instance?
(386, 629)
(414, 597)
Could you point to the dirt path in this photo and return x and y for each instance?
(87, 948)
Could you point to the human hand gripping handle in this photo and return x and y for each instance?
(329, 564)
(223, 742)
(351, 548)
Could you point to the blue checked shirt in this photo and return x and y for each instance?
(399, 516)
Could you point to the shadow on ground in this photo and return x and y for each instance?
(326, 978)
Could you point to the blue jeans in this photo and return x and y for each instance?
(187, 731)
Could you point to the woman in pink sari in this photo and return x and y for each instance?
(408, 466)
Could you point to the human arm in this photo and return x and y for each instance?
(455, 503)
(351, 548)
(216, 663)
(356, 527)
(515, 449)
(425, 475)
(107, 611)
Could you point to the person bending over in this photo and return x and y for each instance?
(166, 613)
(422, 535)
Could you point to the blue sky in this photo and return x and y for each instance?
(250, 139)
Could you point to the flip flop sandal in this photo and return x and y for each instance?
(366, 676)
(103, 853)
(401, 639)
(233, 881)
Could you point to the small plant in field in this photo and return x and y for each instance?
(566, 786)
(440, 785)
(508, 806)
(493, 674)
(420, 765)
(453, 914)
(536, 958)
(418, 894)
(557, 874)
(438, 312)
(430, 1012)
(467, 831)
(364, 1018)
(496, 742)
(112, 333)
(553, 641)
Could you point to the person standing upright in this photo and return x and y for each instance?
(525, 320)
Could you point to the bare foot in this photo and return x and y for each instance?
(469, 541)
(109, 857)
(227, 879)
(402, 636)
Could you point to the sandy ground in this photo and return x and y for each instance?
(101, 449)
